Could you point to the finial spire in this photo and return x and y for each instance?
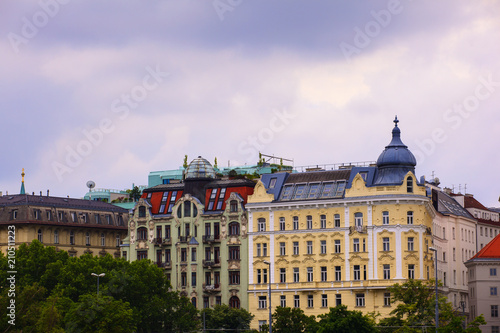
(22, 183)
(396, 121)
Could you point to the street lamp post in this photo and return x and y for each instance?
(462, 305)
(270, 315)
(436, 278)
(98, 276)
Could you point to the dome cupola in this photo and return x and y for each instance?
(199, 168)
(395, 161)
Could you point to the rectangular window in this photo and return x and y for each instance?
(282, 249)
(309, 274)
(193, 279)
(357, 273)
(324, 300)
(259, 276)
(272, 182)
(261, 224)
(183, 254)
(295, 223)
(360, 300)
(493, 291)
(385, 244)
(327, 190)
(495, 329)
(283, 301)
(323, 273)
(287, 192)
(310, 301)
(385, 217)
(282, 223)
(262, 302)
(313, 191)
(494, 311)
(493, 272)
(309, 247)
(387, 299)
(337, 246)
(409, 217)
(336, 219)
(234, 277)
(411, 271)
(295, 274)
(410, 243)
(338, 273)
(355, 245)
(338, 299)
(387, 272)
(454, 254)
(234, 253)
(300, 192)
(309, 221)
(282, 275)
(183, 279)
(264, 249)
(323, 246)
(193, 254)
(296, 301)
(358, 219)
(259, 247)
(322, 221)
(295, 248)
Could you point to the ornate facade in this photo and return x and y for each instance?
(197, 230)
(340, 236)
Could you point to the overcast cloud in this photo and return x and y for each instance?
(111, 90)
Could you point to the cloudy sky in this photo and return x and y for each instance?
(111, 90)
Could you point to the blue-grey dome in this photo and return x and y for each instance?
(199, 168)
(396, 153)
(395, 161)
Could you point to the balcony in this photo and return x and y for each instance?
(167, 241)
(216, 263)
(184, 239)
(358, 228)
(207, 239)
(167, 265)
(208, 263)
(211, 288)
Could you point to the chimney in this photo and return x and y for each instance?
(40, 193)
(1, 193)
(47, 192)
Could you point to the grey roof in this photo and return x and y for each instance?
(318, 176)
(58, 202)
(446, 205)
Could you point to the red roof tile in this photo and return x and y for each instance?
(491, 250)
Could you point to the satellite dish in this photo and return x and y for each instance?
(90, 184)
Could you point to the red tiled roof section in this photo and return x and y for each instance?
(471, 202)
(491, 250)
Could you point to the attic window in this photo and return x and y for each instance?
(142, 211)
(363, 175)
(409, 185)
(272, 183)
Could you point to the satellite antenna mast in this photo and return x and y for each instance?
(90, 185)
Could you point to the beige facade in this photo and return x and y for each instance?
(73, 225)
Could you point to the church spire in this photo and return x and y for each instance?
(22, 183)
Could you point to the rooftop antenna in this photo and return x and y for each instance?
(90, 185)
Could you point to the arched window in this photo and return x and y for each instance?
(40, 235)
(142, 233)
(261, 224)
(234, 229)
(87, 238)
(142, 211)
(234, 302)
(409, 185)
(233, 206)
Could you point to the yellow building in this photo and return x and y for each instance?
(340, 236)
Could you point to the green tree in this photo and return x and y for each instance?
(134, 194)
(293, 320)
(341, 320)
(225, 317)
(101, 314)
(416, 307)
(185, 164)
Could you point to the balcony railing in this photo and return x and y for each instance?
(208, 263)
(184, 239)
(358, 228)
(167, 241)
(211, 288)
(211, 239)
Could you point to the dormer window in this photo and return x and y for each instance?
(233, 206)
(409, 185)
(272, 183)
(142, 211)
